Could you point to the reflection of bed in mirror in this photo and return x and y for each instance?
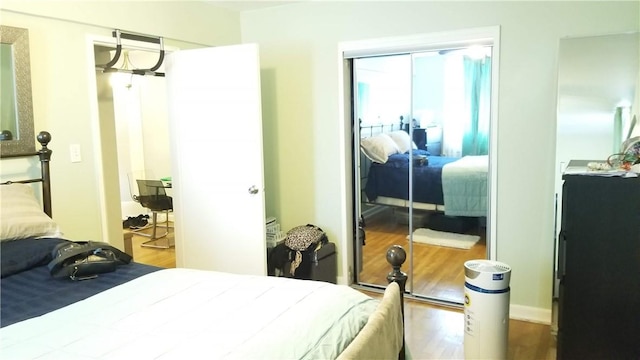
(456, 186)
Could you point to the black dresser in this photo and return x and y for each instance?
(429, 138)
(599, 268)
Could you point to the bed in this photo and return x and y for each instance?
(141, 311)
(452, 185)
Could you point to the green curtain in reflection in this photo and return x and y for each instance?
(477, 89)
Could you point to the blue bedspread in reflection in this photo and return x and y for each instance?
(392, 179)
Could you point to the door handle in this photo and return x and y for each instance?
(253, 190)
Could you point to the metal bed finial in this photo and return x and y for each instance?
(44, 154)
(396, 256)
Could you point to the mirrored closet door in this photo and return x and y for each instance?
(416, 113)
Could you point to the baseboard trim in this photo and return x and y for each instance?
(341, 280)
(531, 314)
(516, 312)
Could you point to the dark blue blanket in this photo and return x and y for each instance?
(27, 289)
(392, 179)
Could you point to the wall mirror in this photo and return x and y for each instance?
(16, 108)
(596, 75)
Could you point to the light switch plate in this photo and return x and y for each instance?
(75, 154)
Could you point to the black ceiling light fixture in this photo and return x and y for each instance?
(119, 35)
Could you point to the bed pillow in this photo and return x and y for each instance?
(18, 256)
(378, 147)
(402, 140)
(21, 215)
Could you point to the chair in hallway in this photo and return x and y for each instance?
(152, 195)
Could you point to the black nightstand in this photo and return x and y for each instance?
(420, 138)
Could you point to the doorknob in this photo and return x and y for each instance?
(253, 190)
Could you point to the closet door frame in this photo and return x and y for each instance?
(399, 45)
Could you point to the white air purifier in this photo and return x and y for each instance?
(486, 309)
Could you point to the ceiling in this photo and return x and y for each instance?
(239, 5)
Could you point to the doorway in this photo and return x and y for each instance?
(412, 89)
(134, 109)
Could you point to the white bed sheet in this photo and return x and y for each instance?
(189, 314)
(464, 186)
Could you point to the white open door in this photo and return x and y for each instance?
(215, 121)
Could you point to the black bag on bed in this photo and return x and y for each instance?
(85, 259)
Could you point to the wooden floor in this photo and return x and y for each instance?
(438, 272)
(165, 258)
(432, 332)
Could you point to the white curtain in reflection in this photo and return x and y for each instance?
(454, 110)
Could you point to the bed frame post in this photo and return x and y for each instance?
(396, 256)
(45, 156)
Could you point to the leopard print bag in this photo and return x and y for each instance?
(300, 238)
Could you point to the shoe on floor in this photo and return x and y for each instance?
(137, 222)
(127, 223)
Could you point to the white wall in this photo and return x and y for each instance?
(62, 91)
(299, 45)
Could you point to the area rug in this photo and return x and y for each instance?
(441, 238)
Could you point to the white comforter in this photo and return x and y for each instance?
(192, 314)
(464, 186)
